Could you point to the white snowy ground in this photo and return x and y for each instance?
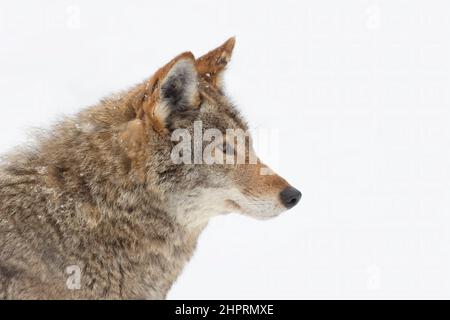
(354, 95)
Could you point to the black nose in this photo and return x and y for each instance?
(290, 197)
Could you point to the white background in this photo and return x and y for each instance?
(357, 92)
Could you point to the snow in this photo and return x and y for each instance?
(359, 94)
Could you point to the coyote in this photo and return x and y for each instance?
(99, 209)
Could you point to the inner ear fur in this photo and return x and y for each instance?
(172, 91)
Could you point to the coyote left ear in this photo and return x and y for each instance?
(211, 65)
(174, 92)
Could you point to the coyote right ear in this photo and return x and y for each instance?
(173, 91)
(211, 65)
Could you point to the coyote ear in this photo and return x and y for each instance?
(174, 91)
(211, 65)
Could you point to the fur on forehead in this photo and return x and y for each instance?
(219, 109)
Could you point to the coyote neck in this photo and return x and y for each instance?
(81, 212)
(140, 246)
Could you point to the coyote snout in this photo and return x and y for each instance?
(261, 193)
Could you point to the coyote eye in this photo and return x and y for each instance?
(226, 148)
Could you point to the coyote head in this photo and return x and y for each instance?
(201, 156)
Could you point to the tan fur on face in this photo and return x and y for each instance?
(253, 182)
(257, 194)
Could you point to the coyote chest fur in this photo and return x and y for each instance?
(104, 208)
